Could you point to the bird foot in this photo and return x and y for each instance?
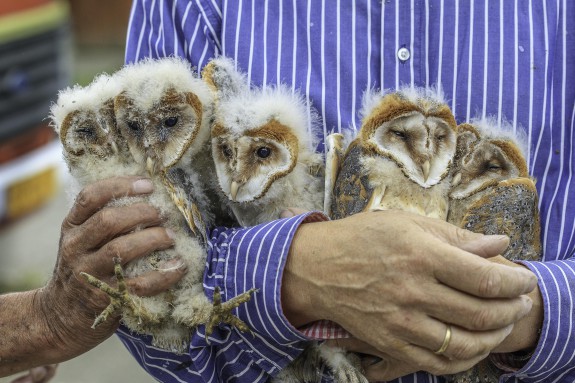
(349, 371)
(222, 312)
(120, 298)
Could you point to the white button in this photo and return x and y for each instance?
(403, 54)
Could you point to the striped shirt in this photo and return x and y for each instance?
(513, 60)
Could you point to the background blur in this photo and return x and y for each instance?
(46, 45)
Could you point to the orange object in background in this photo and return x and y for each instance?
(34, 52)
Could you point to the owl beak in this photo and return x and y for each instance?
(114, 148)
(456, 180)
(234, 189)
(150, 165)
(425, 167)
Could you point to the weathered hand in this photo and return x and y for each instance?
(92, 236)
(395, 279)
(52, 324)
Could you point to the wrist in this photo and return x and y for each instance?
(300, 278)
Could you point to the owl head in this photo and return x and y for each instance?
(412, 127)
(84, 119)
(258, 135)
(488, 153)
(163, 112)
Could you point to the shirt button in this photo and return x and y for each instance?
(403, 54)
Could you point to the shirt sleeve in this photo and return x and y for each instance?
(188, 29)
(554, 356)
(238, 260)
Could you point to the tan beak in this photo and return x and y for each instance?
(150, 165)
(456, 180)
(114, 147)
(234, 187)
(425, 167)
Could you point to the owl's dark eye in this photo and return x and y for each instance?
(493, 166)
(133, 125)
(171, 121)
(440, 137)
(263, 152)
(399, 134)
(85, 131)
(227, 151)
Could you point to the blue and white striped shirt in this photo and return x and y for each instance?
(514, 60)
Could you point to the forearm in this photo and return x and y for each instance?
(25, 339)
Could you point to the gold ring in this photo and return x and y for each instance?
(446, 341)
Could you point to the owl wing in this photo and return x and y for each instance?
(333, 161)
(509, 208)
(174, 180)
(351, 192)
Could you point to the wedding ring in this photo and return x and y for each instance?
(446, 341)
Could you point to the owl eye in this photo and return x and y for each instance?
(85, 131)
(399, 134)
(227, 151)
(493, 167)
(263, 152)
(440, 137)
(133, 125)
(171, 121)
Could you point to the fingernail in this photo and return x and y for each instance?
(287, 214)
(171, 265)
(143, 186)
(38, 373)
(171, 233)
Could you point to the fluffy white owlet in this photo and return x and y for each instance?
(400, 158)
(162, 115)
(84, 119)
(263, 147)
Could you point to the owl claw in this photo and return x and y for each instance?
(120, 298)
(222, 312)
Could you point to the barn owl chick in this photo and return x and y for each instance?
(162, 113)
(84, 119)
(492, 192)
(400, 158)
(263, 148)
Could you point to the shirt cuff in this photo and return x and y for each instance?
(246, 258)
(554, 355)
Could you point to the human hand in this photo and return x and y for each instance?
(42, 374)
(525, 334)
(395, 280)
(93, 234)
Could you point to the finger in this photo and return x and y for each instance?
(94, 196)
(128, 247)
(483, 245)
(109, 223)
(155, 282)
(472, 313)
(462, 344)
(479, 277)
(50, 372)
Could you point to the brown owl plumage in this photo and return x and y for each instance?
(400, 158)
(492, 193)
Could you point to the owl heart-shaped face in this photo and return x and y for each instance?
(83, 132)
(162, 131)
(422, 146)
(248, 165)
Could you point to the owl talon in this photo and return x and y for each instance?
(120, 298)
(222, 312)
